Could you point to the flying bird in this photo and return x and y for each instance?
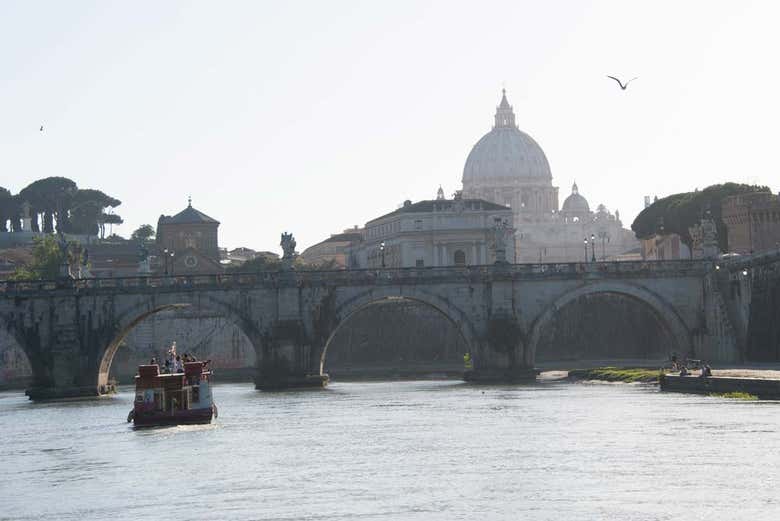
(41, 128)
(622, 86)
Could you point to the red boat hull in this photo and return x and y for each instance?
(186, 417)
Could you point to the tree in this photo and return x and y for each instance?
(87, 212)
(7, 208)
(143, 233)
(108, 218)
(49, 197)
(679, 212)
(46, 261)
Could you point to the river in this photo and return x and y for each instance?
(427, 450)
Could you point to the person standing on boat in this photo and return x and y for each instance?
(172, 356)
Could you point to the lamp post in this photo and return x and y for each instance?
(593, 247)
(382, 252)
(585, 242)
(166, 255)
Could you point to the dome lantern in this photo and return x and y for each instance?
(505, 116)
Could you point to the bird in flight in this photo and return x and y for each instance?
(622, 86)
(41, 128)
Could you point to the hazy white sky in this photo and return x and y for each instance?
(311, 117)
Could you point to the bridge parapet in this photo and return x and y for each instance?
(391, 276)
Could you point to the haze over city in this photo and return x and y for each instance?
(312, 117)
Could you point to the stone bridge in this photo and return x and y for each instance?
(71, 329)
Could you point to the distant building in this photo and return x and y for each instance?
(507, 167)
(752, 221)
(335, 250)
(665, 247)
(241, 255)
(113, 259)
(187, 243)
(439, 232)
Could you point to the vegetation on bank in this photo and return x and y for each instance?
(47, 257)
(617, 374)
(737, 395)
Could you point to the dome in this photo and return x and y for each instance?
(506, 152)
(575, 203)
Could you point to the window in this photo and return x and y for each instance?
(419, 263)
(460, 258)
(418, 224)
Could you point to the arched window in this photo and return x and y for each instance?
(460, 258)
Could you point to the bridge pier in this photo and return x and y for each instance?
(285, 362)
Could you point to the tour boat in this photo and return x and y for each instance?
(172, 399)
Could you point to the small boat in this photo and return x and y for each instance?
(172, 398)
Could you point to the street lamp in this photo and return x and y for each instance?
(585, 242)
(593, 247)
(166, 255)
(382, 252)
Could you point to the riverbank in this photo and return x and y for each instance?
(616, 374)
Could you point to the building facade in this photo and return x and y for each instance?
(665, 247)
(438, 232)
(334, 252)
(508, 167)
(752, 221)
(187, 243)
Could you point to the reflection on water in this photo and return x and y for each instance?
(398, 450)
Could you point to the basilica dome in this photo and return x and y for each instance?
(506, 152)
(575, 204)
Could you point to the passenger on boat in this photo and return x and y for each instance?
(706, 371)
(179, 365)
(684, 371)
(153, 361)
(167, 366)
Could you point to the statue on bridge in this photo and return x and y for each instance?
(288, 250)
(704, 237)
(499, 240)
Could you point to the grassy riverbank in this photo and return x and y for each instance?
(736, 396)
(616, 374)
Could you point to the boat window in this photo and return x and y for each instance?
(196, 393)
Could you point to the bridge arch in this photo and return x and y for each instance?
(663, 311)
(348, 308)
(139, 311)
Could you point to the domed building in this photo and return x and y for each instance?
(575, 207)
(507, 166)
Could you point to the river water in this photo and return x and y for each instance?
(427, 450)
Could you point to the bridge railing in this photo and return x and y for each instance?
(363, 276)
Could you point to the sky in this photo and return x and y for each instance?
(312, 117)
